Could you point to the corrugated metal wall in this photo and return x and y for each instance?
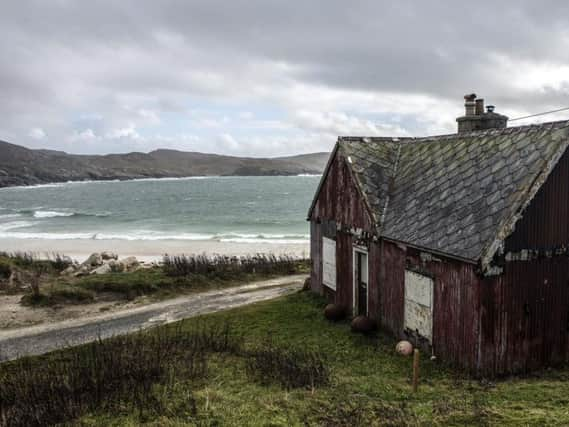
(339, 203)
(339, 198)
(391, 285)
(525, 314)
(455, 303)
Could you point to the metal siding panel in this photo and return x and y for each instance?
(338, 202)
(532, 307)
(374, 281)
(391, 287)
(344, 270)
(538, 338)
(456, 302)
(316, 257)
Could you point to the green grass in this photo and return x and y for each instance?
(369, 384)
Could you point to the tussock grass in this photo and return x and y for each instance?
(5, 270)
(288, 367)
(226, 266)
(54, 262)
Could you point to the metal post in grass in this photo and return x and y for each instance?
(415, 370)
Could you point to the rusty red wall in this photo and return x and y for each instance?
(338, 203)
(316, 256)
(339, 198)
(344, 272)
(391, 287)
(456, 289)
(525, 316)
(525, 311)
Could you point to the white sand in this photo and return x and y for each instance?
(147, 250)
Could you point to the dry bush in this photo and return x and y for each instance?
(288, 367)
(225, 266)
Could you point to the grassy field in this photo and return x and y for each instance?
(274, 363)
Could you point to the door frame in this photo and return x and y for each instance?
(355, 251)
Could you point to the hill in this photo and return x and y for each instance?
(24, 166)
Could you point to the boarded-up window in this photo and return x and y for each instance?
(419, 304)
(329, 262)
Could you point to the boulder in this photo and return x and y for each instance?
(362, 324)
(334, 312)
(116, 266)
(130, 263)
(69, 270)
(83, 270)
(94, 260)
(103, 269)
(107, 256)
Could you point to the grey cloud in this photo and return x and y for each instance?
(65, 58)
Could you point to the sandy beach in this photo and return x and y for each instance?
(147, 250)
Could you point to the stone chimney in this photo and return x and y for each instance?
(476, 119)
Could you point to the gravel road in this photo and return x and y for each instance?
(45, 338)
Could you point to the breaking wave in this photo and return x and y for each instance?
(54, 213)
(8, 231)
(51, 214)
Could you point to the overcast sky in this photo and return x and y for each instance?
(267, 78)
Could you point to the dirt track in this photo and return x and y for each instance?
(45, 338)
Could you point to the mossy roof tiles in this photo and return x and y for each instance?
(457, 194)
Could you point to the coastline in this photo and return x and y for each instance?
(48, 184)
(148, 250)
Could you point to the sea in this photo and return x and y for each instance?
(225, 209)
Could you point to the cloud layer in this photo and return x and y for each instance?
(264, 78)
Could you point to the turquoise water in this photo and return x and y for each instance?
(226, 209)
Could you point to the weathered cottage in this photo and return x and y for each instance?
(457, 242)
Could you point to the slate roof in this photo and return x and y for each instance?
(457, 194)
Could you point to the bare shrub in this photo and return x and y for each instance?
(221, 265)
(59, 262)
(288, 367)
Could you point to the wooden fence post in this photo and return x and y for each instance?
(415, 370)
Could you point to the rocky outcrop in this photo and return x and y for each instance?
(102, 263)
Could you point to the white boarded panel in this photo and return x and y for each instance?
(329, 262)
(419, 304)
(418, 288)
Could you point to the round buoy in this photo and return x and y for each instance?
(362, 324)
(334, 312)
(404, 348)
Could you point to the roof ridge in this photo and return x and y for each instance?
(474, 133)
(391, 185)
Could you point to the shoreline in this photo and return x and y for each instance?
(148, 250)
(138, 179)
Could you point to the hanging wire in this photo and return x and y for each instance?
(540, 114)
